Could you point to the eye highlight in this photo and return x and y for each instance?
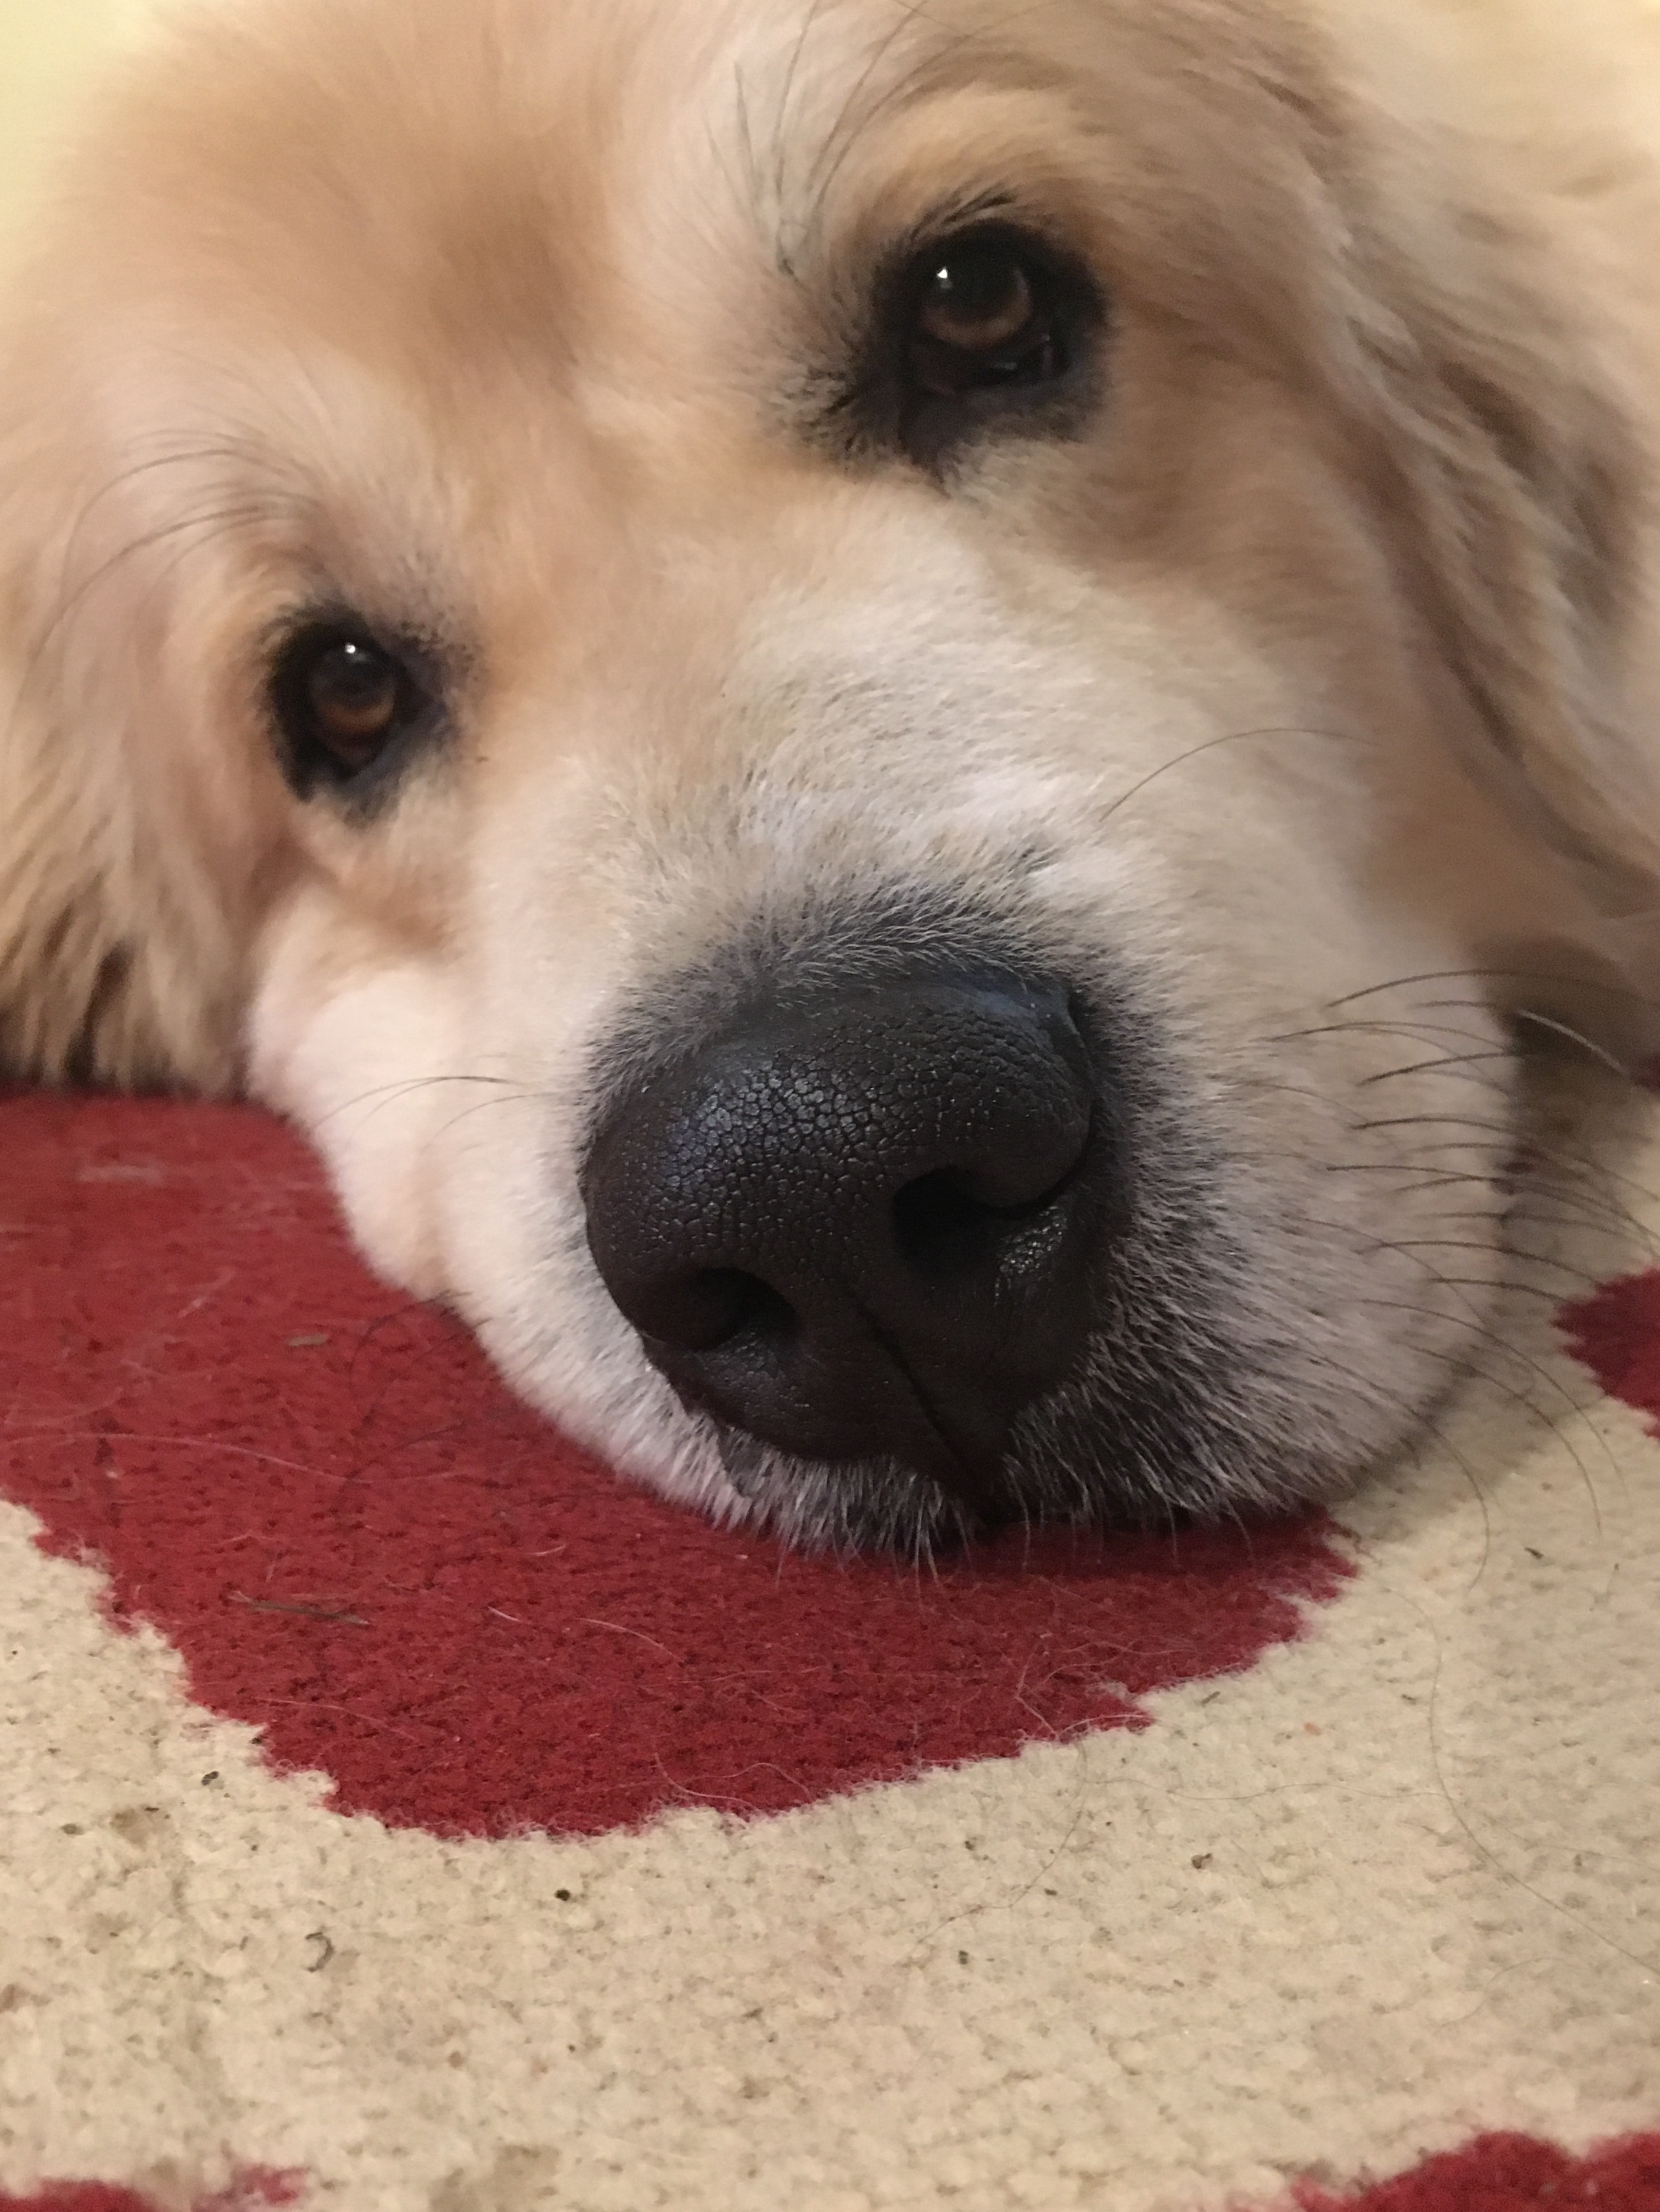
(984, 330)
(344, 705)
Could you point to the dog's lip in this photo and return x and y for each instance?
(977, 1491)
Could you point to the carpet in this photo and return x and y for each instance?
(398, 1813)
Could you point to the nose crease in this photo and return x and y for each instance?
(974, 1480)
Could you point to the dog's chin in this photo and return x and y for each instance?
(859, 1505)
(1079, 1465)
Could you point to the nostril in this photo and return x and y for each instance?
(939, 1228)
(710, 1307)
(943, 1228)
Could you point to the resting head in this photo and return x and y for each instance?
(878, 717)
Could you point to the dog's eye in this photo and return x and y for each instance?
(979, 320)
(342, 703)
(353, 690)
(988, 329)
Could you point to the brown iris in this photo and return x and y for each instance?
(977, 300)
(980, 320)
(356, 694)
(348, 710)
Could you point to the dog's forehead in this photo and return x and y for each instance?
(415, 253)
(466, 296)
(663, 187)
(516, 165)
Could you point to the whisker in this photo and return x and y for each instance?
(387, 1094)
(1410, 1244)
(1211, 744)
(1433, 1067)
(1597, 1212)
(1512, 1351)
(1407, 1029)
(1555, 1025)
(1500, 976)
(1438, 1122)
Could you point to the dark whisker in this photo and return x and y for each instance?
(1410, 1244)
(1434, 1066)
(1511, 1351)
(1499, 975)
(1407, 1029)
(1210, 746)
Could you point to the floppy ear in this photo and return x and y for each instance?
(122, 921)
(1517, 476)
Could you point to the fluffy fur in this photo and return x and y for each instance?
(1298, 697)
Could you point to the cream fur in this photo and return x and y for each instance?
(1324, 659)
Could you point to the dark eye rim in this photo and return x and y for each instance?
(883, 405)
(309, 766)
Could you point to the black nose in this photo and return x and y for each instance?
(863, 1226)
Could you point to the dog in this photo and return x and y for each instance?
(887, 717)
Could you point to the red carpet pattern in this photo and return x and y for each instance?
(362, 1546)
(1505, 2173)
(245, 2192)
(406, 1814)
(1496, 2173)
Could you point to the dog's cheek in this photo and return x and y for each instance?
(359, 1047)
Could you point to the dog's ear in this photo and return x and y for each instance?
(120, 924)
(1517, 480)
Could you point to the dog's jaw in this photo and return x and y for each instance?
(360, 1047)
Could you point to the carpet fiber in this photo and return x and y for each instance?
(398, 1812)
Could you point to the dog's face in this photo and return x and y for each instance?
(787, 656)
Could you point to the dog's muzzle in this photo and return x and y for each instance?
(863, 1222)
